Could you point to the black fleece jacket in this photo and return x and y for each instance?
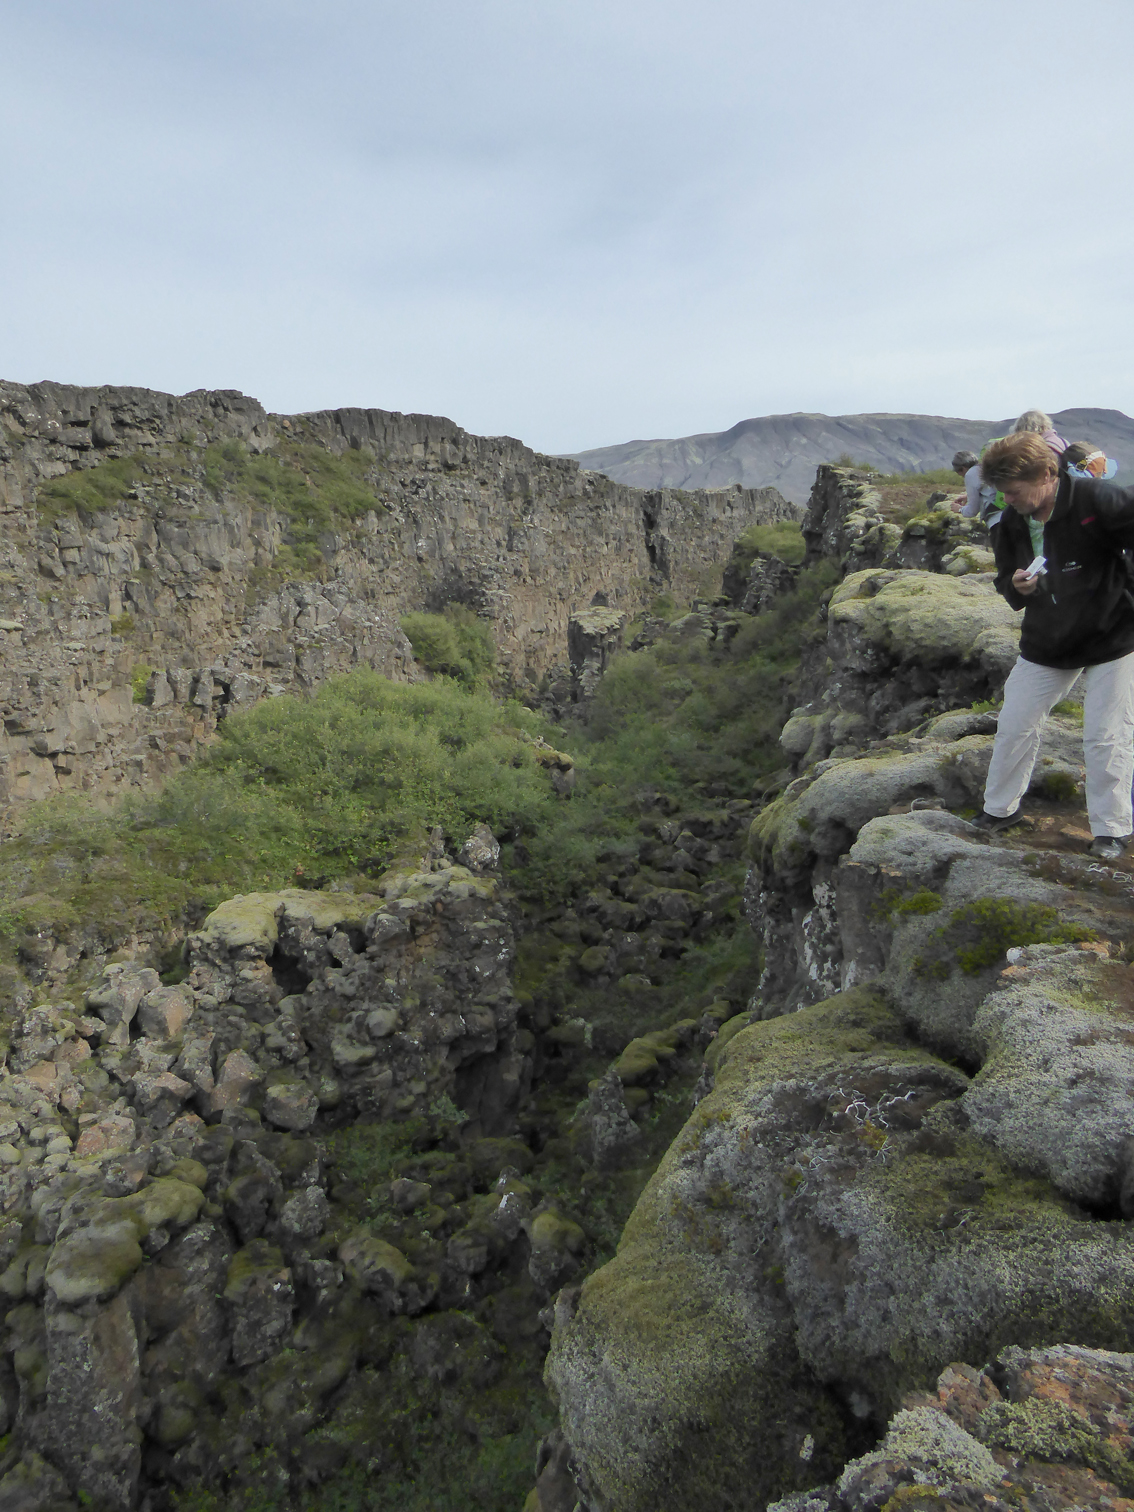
(1079, 615)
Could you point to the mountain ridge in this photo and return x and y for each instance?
(784, 450)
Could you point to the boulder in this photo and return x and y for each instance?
(291, 1105)
(879, 619)
(825, 1232)
(115, 1000)
(164, 1012)
(99, 1242)
(384, 1272)
(258, 1289)
(239, 1074)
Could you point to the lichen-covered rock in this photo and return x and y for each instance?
(89, 1422)
(395, 1001)
(1058, 1439)
(164, 1012)
(593, 636)
(99, 1244)
(933, 1450)
(258, 1287)
(115, 1000)
(291, 1105)
(1055, 1092)
(305, 1215)
(481, 851)
(239, 1074)
(878, 619)
(606, 1132)
(884, 814)
(383, 1271)
(32, 1485)
(557, 1245)
(825, 1231)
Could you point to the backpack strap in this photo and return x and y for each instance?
(1124, 554)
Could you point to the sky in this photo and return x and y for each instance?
(578, 222)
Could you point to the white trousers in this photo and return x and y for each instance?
(1108, 738)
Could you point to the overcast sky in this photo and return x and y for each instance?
(573, 221)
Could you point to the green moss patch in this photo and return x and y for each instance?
(978, 935)
(1052, 1431)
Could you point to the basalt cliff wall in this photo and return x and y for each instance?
(189, 577)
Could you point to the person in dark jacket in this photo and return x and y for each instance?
(1059, 557)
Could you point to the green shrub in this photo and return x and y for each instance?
(454, 644)
(139, 681)
(1057, 787)
(337, 786)
(122, 624)
(1069, 709)
(93, 488)
(921, 902)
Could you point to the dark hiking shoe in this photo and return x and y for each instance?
(994, 824)
(1108, 847)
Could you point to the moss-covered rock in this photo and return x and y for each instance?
(824, 1231)
(252, 919)
(99, 1246)
(880, 618)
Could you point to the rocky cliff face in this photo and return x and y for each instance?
(914, 1148)
(168, 558)
(167, 1204)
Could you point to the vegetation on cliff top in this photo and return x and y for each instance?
(316, 490)
(318, 790)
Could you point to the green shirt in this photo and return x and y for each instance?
(1035, 530)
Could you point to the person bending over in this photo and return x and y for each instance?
(978, 500)
(1059, 559)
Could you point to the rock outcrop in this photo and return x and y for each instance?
(914, 1148)
(165, 1181)
(1040, 1428)
(169, 558)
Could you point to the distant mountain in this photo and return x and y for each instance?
(784, 450)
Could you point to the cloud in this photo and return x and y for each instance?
(574, 222)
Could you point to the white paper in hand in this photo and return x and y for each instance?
(1038, 565)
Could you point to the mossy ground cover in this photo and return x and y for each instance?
(903, 495)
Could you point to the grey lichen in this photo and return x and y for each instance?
(938, 1449)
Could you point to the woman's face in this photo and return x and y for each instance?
(1028, 497)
